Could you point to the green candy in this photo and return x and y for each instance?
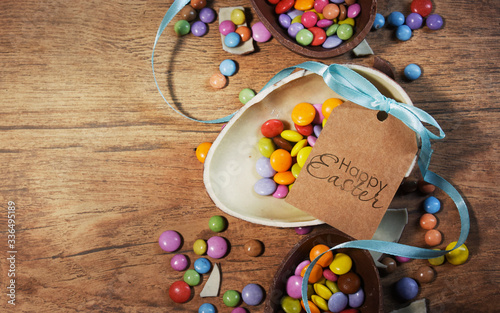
(182, 27)
(266, 146)
(192, 277)
(231, 298)
(345, 31)
(332, 30)
(246, 95)
(217, 223)
(304, 37)
(290, 305)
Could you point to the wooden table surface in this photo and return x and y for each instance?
(98, 166)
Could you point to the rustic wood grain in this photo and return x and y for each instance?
(99, 166)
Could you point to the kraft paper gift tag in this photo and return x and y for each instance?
(354, 169)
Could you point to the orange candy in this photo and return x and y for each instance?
(244, 32)
(304, 5)
(329, 105)
(281, 160)
(312, 307)
(218, 81)
(315, 275)
(303, 114)
(428, 221)
(202, 151)
(325, 259)
(433, 237)
(284, 178)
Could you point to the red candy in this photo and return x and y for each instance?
(319, 36)
(422, 7)
(272, 128)
(283, 6)
(304, 130)
(179, 292)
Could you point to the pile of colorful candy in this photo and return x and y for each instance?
(333, 286)
(318, 22)
(197, 8)
(284, 152)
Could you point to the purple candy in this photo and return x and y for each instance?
(407, 288)
(207, 15)
(170, 240)
(353, 10)
(294, 29)
(356, 299)
(216, 247)
(265, 186)
(434, 21)
(301, 265)
(264, 168)
(179, 262)
(414, 20)
(260, 32)
(252, 294)
(331, 42)
(239, 310)
(294, 286)
(337, 1)
(324, 23)
(281, 192)
(293, 13)
(311, 140)
(284, 20)
(303, 230)
(226, 27)
(199, 28)
(402, 259)
(317, 130)
(337, 302)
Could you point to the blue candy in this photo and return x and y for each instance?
(337, 302)
(227, 67)
(403, 32)
(207, 308)
(412, 71)
(379, 21)
(232, 39)
(396, 19)
(432, 205)
(407, 288)
(202, 265)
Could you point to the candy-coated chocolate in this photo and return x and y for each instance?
(331, 42)
(412, 71)
(433, 237)
(349, 21)
(343, 12)
(300, 267)
(459, 255)
(294, 29)
(244, 32)
(350, 2)
(217, 223)
(304, 130)
(192, 277)
(227, 67)
(353, 10)
(341, 264)
(264, 168)
(202, 265)
(260, 32)
(252, 294)
(320, 302)
(281, 192)
(179, 262)
(322, 291)
(315, 274)
(402, 259)
(198, 4)
(290, 305)
(328, 106)
(304, 37)
(337, 302)
(356, 299)
(239, 310)
(245, 95)
(403, 32)
(414, 21)
(226, 27)
(425, 187)
(422, 7)
(294, 286)
(407, 288)
(309, 19)
(297, 147)
(283, 6)
(272, 128)
(331, 11)
(179, 292)
(303, 155)
(425, 274)
(293, 13)
(282, 143)
(200, 246)
(312, 307)
(218, 81)
(304, 5)
(351, 310)
(281, 160)
(266, 147)
(207, 308)
(325, 259)
(390, 263)
(311, 140)
(434, 21)
(202, 151)
(303, 230)
(297, 19)
(436, 261)
(232, 39)
(319, 36)
(428, 221)
(319, 5)
(317, 130)
(182, 27)
(324, 23)
(231, 298)
(396, 19)
(199, 29)
(291, 135)
(216, 247)
(284, 20)
(207, 15)
(432, 205)
(349, 283)
(188, 13)
(265, 186)
(332, 286)
(170, 240)
(379, 21)
(237, 16)
(284, 178)
(253, 247)
(328, 274)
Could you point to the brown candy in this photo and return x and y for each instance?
(198, 4)
(425, 187)
(254, 247)
(408, 186)
(425, 274)
(349, 283)
(188, 13)
(349, 2)
(390, 263)
(282, 143)
(343, 12)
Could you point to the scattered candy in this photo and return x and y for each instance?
(433, 237)
(170, 240)
(303, 230)
(217, 247)
(436, 261)
(207, 308)
(390, 263)
(199, 29)
(192, 277)
(422, 7)
(434, 21)
(202, 265)
(414, 21)
(252, 294)
(425, 274)
(218, 81)
(198, 4)
(245, 95)
(227, 67)
(425, 187)
(412, 71)
(407, 288)
(182, 27)
(179, 262)
(200, 246)
(207, 15)
(403, 32)
(217, 223)
(238, 16)
(231, 298)
(428, 221)
(459, 255)
(260, 32)
(179, 292)
(239, 310)
(379, 21)
(188, 13)
(253, 247)
(395, 19)
(402, 259)
(232, 39)
(202, 151)
(432, 205)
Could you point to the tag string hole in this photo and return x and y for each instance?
(382, 115)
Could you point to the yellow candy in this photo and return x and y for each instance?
(304, 5)
(436, 261)
(324, 122)
(303, 114)
(341, 264)
(322, 291)
(349, 21)
(332, 286)
(297, 19)
(291, 135)
(298, 146)
(296, 170)
(290, 187)
(320, 302)
(237, 16)
(303, 155)
(200, 247)
(266, 146)
(290, 305)
(457, 256)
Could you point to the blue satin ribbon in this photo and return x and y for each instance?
(172, 11)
